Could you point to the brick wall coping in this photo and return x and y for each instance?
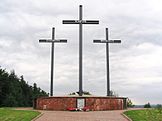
(107, 97)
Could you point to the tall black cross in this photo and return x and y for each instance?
(107, 41)
(52, 41)
(80, 22)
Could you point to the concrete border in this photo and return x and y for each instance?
(37, 116)
(30, 109)
(130, 109)
(125, 116)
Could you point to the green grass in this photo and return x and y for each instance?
(9, 114)
(144, 115)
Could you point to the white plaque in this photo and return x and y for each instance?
(80, 103)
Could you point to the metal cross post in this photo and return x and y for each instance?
(80, 22)
(52, 41)
(107, 41)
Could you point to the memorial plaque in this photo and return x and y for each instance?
(80, 103)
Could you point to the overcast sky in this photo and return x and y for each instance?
(135, 64)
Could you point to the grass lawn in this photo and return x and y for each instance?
(9, 114)
(145, 115)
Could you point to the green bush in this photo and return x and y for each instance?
(159, 108)
(147, 105)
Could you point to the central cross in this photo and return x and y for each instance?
(80, 22)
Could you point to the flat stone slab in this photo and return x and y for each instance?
(82, 116)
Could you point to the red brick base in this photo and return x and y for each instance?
(93, 103)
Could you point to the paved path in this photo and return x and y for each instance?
(82, 116)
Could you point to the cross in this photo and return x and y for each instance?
(107, 41)
(52, 41)
(80, 22)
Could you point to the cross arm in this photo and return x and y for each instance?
(42, 40)
(107, 41)
(114, 41)
(80, 22)
(97, 41)
(61, 40)
(56, 40)
(90, 22)
(70, 22)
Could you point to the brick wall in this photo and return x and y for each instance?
(104, 104)
(94, 103)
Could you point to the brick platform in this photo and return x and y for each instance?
(93, 103)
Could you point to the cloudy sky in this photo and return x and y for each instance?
(135, 64)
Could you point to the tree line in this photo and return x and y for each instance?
(16, 92)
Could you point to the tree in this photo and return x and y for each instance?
(3, 88)
(147, 105)
(159, 108)
(14, 91)
(129, 103)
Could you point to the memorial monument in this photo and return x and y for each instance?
(93, 103)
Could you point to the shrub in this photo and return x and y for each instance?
(147, 105)
(159, 108)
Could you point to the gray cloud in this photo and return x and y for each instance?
(135, 64)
